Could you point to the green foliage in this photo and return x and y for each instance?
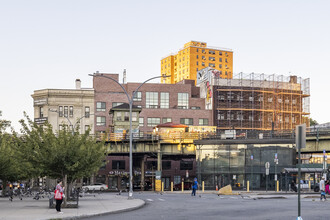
(62, 153)
(313, 122)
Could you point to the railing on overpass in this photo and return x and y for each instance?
(189, 137)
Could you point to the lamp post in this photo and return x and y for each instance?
(130, 102)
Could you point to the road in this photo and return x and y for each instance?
(210, 206)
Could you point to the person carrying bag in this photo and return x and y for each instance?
(58, 196)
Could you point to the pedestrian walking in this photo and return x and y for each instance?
(59, 196)
(322, 188)
(327, 187)
(194, 187)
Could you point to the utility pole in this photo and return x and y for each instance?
(300, 143)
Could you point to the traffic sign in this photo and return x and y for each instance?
(267, 171)
(267, 165)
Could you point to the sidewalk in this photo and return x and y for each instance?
(89, 205)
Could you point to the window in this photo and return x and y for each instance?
(220, 65)
(66, 111)
(197, 57)
(100, 121)
(166, 165)
(197, 63)
(195, 107)
(183, 100)
(60, 111)
(186, 121)
(211, 65)
(197, 50)
(100, 106)
(152, 122)
(203, 64)
(270, 99)
(203, 51)
(118, 118)
(203, 122)
(41, 112)
(203, 58)
(86, 128)
(118, 164)
(71, 111)
(151, 165)
(134, 116)
(211, 52)
(141, 122)
(114, 104)
(186, 165)
(152, 100)
(165, 120)
(226, 60)
(137, 96)
(164, 100)
(220, 53)
(220, 59)
(126, 116)
(221, 116)
(87, 111)
(212, 58)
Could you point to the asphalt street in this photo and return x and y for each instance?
(210, 206)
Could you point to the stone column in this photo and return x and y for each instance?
(142, 173)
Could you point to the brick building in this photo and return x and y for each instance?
(160, 103)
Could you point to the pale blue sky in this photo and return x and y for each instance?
(48, 44)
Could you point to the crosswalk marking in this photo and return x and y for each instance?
(161, 199)
(150, 200)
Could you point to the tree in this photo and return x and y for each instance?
(62, 154)
(11, 168)
(312, 122)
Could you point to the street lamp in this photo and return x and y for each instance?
(130, 101)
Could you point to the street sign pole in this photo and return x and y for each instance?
(251, 172)
(267, 165)
(300, 143)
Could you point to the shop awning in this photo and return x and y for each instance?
(303, 170)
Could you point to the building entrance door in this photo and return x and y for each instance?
(166, 181)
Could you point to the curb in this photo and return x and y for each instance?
(103, 213)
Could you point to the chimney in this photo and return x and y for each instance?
(124, 76)
(78, 84)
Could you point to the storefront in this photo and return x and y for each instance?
(234, 162)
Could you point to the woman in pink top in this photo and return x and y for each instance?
(327, 186)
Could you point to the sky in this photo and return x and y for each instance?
(49, 44)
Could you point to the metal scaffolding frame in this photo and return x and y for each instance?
(261, 102)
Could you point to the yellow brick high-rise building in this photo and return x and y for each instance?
(195, 56)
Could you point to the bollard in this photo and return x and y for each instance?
(171, 186)
(248, 186)
(162, 186)
(203, 186)
(182, 186)
(309, 185)
(277, 186)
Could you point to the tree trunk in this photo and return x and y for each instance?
(4, 186)
(65, 189)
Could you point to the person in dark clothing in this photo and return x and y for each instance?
(293, 186)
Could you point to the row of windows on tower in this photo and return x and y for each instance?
(153, 100)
